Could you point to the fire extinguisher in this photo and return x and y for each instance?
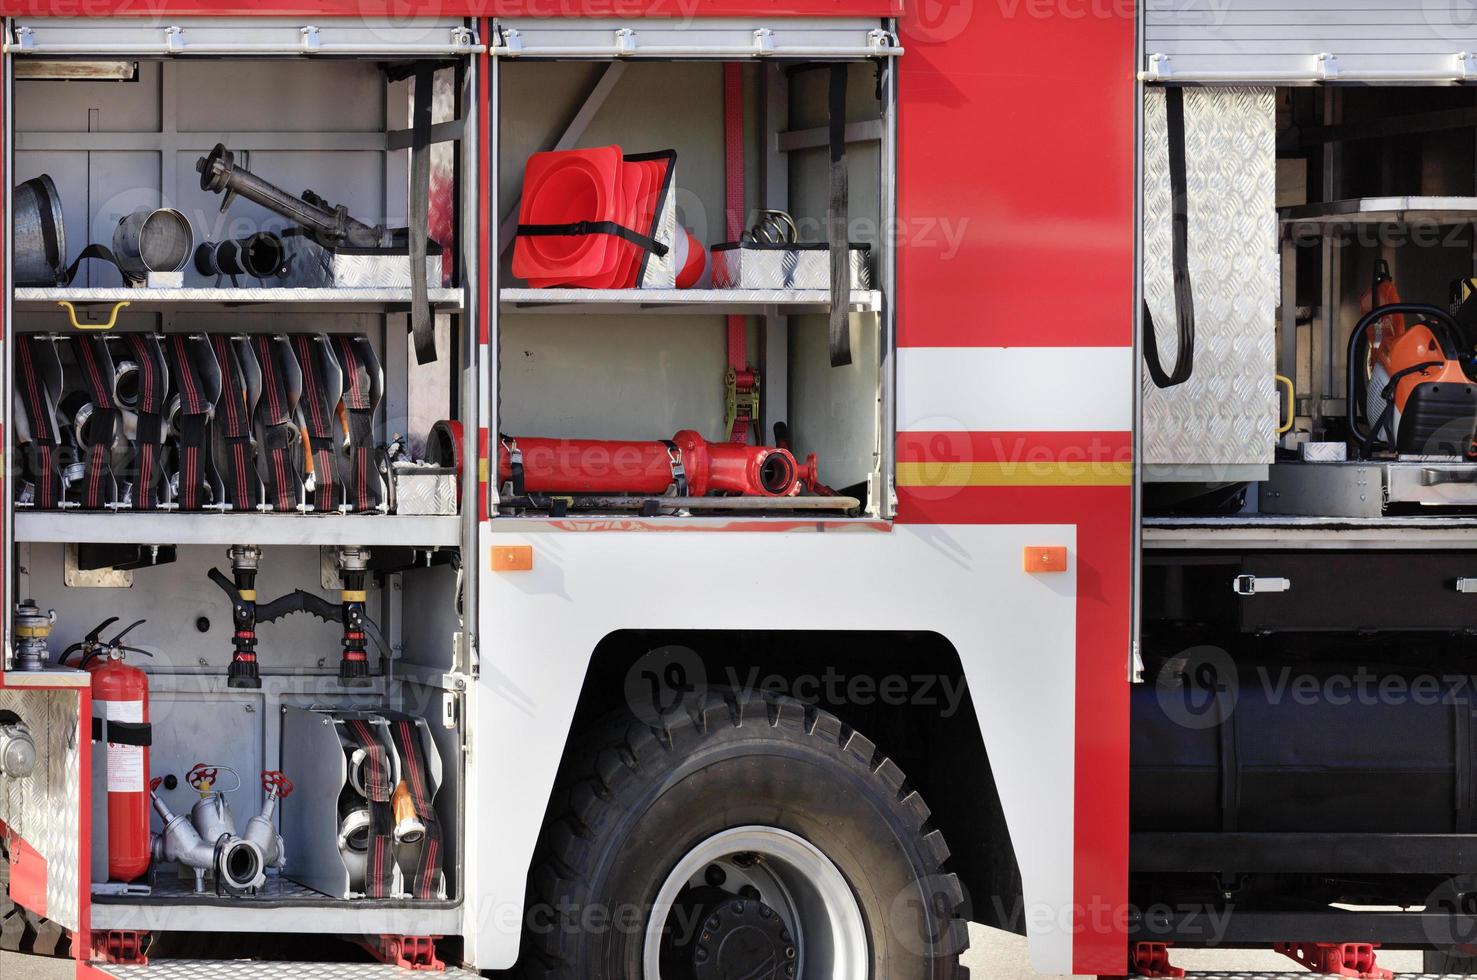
(120, 693)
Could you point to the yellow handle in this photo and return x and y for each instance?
(112, 320)
(1282, 427)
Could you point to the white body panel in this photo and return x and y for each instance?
(1014, 633)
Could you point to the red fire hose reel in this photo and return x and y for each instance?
(687, 463)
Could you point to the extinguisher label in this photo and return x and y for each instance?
(125, 762)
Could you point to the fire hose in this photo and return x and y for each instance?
(687, 464)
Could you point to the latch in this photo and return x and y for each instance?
(463, 38)
(1467, 586)
(25, 38)
(625, 42)
(1259, 584)
(882, 42)
(1327, 65)
(310, 39)
(763, 42)
(174, 38)
(509, 41)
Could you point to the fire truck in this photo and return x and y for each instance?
(707, 488)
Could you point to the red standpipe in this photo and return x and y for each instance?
(620, 467)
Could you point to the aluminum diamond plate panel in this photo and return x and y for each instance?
(254, 970)
(1227, 412)
(44, 808)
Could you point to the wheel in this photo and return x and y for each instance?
(23, 931)
(753, 837)
(1446, 963)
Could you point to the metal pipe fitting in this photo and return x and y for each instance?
(157, 240)
(238, 865)
(353, 845)
(17, 750)
(261, 256)
(332, 226)
(32, 631)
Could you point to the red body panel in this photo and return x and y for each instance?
(1016, 228)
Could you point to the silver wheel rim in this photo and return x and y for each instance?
(795, 879)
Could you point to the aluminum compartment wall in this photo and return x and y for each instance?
(1271, 40)
(1226, 414)
(44, 807)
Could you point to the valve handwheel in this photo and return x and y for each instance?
(276, 783)
(202, 774)
(155, 783)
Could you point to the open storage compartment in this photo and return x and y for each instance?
(330, 482)
(624, 390)
(1306, 413)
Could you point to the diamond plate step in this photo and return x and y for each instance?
(268, 970)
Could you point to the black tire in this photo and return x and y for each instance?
(1442, 962)
(637, 798)
(23, 931)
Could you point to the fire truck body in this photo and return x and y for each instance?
(865, 694)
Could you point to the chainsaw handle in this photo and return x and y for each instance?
(1356, 338)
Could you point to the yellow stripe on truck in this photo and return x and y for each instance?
(1082, 473)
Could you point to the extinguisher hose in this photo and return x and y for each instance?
(1184, 294)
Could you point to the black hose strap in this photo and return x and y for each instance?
(1184, 293)
(422, 324)
(837, 220)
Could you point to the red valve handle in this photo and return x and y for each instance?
(155, 783)
(276, 782)
(200, 774)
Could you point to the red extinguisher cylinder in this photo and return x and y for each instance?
(121, 693)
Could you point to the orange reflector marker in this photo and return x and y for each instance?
(512, 558)
(1052, 559)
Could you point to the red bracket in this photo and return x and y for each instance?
(406, 952)
(1337, 959)
(121, 946)
(1152, 960)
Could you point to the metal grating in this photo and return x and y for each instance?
(1226, 414)
(169, 886)
(268, 970)
(44, 808)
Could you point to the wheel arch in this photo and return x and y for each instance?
(905, 690)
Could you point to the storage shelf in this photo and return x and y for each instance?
(680, 301)
(165, 527)
(1241, 532)
(1381, 210)
(36, 299)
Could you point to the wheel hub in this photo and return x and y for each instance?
(743, 939)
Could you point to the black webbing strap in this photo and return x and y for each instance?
(122, 732)
(837, 220)
(378, 786)
(597, 228)
(96, 252)
(360, 399)
(233, 422)
(100, 486)
(515, 466)
(37, 402)
(417, 776)
(153, 392)
(422, 325)
(320, 417)
(1184, 294)
(193, 424)
(280, 438)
